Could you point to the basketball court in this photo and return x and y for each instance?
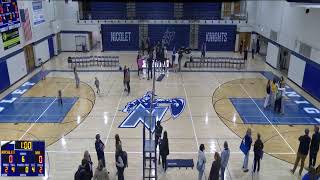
(219, 106)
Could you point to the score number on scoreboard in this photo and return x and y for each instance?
(22, 158)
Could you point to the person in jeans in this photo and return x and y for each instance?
(201, 163)
(119, 163)
(258, 152)
(100, 150)
(127, 80)
(158, 133)
(225, 154)
(248, 142)
(267, 101)
(302, 151)
(215, 168)
(314, 147)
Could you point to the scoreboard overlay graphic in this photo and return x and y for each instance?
(22, 158)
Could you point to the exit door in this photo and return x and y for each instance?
(28, 52)
(80, 43)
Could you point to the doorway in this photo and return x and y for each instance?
(245, 37)
(284, 60)
(59, 42)
(29, 55)
(263, 46)
(81, 43)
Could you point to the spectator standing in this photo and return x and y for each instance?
(76, 77)
(82, 173)
(97, 84)
(247, 145)
(137, 60)
(60, 97)
(101, 173)
(150, 62)
(127, 80)
(100, 150)
(253, 46)
(215, 167)
(124, 77)
(120, 162)
(88, 165)
(267, 101)
(258, 152)
(241, 46)
(203, 51)
(314, 147)
(176, 62)
(302, 151)
(201, 163)
(164, 150)
(158, 134)
(245, 54)
(273, 92)
(225, 154)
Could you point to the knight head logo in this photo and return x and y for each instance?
(139, 110)
(168, 36)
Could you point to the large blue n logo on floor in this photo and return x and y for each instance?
(140, 111)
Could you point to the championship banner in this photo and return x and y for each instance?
(10, 38)
(121, 37)
(38, 14)
(217, 37)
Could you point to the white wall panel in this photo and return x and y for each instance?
(272, 55)
(68, 42)
(17, 67)
(315, 55)
(41, 50)
(296, 69)
(55, 44)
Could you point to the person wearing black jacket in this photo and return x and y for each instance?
(82, 173)
(215, 167)
(258, 151)
(150, 61)
(164, 150)
(314, 147)
(302, 151)
(100, 150)
(158, 134)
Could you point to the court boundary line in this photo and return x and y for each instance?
(268, 119)
(176, 152)
(31, 126)
(190, 113)
(114, 117)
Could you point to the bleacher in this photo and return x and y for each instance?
(215, 62)
(202, 11)
(107, 10)
(154, 10)
(85, 61)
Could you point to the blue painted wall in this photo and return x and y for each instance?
(172, 35)
(108, 10)
(4, 76)
(154, 10)
(311, 80)
(120, 37)
(202, 10)
(217, 37)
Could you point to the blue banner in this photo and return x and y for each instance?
(217, 37)
(121, 37)
(170, 35)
